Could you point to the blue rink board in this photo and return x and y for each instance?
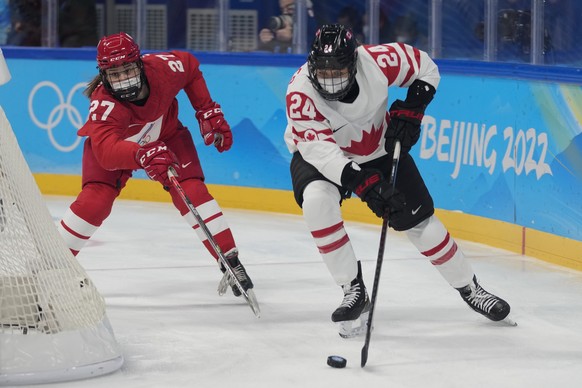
(501, 141)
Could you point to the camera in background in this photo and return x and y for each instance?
(279, 22)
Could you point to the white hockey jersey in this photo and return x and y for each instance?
(331, 134)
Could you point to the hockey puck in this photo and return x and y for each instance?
(336, 362)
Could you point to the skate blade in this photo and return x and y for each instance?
(251, 299)
(508, 321)
(355, 328)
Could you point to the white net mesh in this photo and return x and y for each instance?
(44, 292)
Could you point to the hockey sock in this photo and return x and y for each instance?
(322, 214)
(433, 240)
(85, 215)
(210, 212)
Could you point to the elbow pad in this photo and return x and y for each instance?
(420, 94)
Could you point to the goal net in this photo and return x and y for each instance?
(53, 325)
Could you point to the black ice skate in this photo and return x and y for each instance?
(352, 314)
(239, 271)
(485, 303)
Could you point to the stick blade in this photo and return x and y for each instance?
(364, 358)
(251, 299)
(248, 295)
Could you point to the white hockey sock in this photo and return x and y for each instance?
(212, 215)
(75, 231)
(322, 214)
(433, 240)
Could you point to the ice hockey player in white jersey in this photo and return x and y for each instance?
(342, 141)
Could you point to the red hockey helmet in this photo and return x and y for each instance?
(119, 62)
(117, 50)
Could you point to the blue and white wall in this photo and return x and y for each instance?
(499, 141)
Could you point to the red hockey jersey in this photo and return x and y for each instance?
(117, 129)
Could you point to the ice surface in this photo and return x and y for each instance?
(175, 331)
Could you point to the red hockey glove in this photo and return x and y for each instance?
(156, 158)
(214, 128)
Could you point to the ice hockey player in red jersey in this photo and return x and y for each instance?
(342, 141)
(133, 124)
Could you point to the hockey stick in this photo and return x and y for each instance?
(392, 181)
(249, 295)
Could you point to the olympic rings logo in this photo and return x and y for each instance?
(57, 113)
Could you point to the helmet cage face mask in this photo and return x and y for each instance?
(120, 65)
(124, 82)
(332, 61)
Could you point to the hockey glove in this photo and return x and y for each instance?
(156, 158)
(214, 128)
(372, 188)
(406, 116)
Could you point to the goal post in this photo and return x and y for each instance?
(53, 324)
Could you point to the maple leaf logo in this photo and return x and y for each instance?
(310, 135)
(368, 144)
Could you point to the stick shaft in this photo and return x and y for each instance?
(248, 295)
(380, 259)
(192, 208)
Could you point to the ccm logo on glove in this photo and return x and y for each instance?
(214, 128)
(211, 113)
(155, 158)
(150, 152)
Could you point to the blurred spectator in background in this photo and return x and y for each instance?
(514, 31)
(278, 36)
(407, 21)
(351, 18)
(77, 23)
(25, 17)
(405, 29)
(384, 34)
(4, 21)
